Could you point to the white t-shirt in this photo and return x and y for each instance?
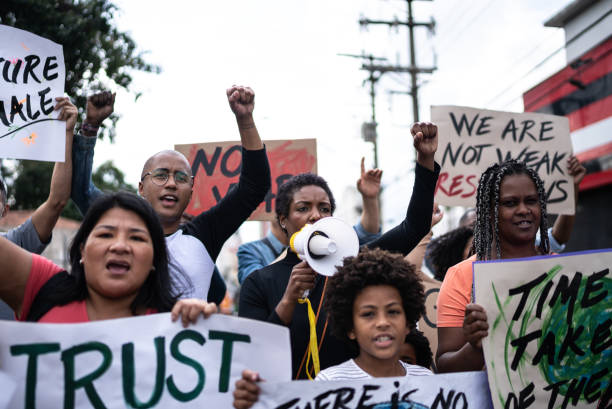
(190, 265)
(350, 370)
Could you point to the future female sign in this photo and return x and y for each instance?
(32, 74)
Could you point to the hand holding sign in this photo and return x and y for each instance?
(247, 391)
(475, 325)
(68, 112)
(190, 309)
(575, 170)
(425, 135)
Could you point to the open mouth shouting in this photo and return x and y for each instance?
(168, 200)
(118, 267)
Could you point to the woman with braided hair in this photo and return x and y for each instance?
(510, 208)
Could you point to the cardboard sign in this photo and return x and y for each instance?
(470, 140)
(427, 323)
(467, 390)
(139, 362)
(32, 75)
(550, 321)
(216, 167)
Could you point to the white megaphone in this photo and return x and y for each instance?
(324, 244)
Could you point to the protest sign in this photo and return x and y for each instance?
(216, 167)
(8, 389)
(139, 362)
(427, 322)
(470, 140)
(549, 341)
(467, 390)
(32, 75)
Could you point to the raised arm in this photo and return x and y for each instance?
(417, 254)
(562, 229)
(84, 192)
(242, 102)
(368, 186)
(45, 217)
(404, 237)
(215, 225)
(14, 273)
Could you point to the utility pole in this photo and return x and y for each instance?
(368, 129)
(413, 69)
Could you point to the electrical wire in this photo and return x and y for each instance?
(541, 63)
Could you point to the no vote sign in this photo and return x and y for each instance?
(217, 165)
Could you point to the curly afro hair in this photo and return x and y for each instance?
(369, 268)
(292, 185)
(447, 250)
(422, 350)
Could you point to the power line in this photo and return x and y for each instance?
(468, 25)
(413, 70)
(514, 65)
(538, 65)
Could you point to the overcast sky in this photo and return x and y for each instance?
(286, 50)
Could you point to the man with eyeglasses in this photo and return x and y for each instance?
(167, 184)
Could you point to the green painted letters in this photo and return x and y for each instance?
(176, 354)
(71, 384)
(228, 339)
(127, 358)
(32, 350)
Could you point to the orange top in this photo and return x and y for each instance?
(455, 294)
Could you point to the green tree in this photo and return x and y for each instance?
(93, 49)
(110, 179)
(34, 178)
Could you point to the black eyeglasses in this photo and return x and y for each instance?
(160, 177)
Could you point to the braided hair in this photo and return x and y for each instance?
(486, 229)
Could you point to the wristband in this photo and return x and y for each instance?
(89, 128)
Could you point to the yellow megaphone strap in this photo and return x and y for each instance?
(313, 348)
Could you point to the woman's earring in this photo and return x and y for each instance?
(81, 261)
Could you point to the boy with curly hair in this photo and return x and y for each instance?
(371, 302)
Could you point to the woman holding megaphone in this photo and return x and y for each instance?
(276, 293)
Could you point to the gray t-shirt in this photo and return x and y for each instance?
(26, 237)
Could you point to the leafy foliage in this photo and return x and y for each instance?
(110, 179)
(34, 178)
(96, 55)
(92, 45)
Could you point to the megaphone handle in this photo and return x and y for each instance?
(306, 293)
